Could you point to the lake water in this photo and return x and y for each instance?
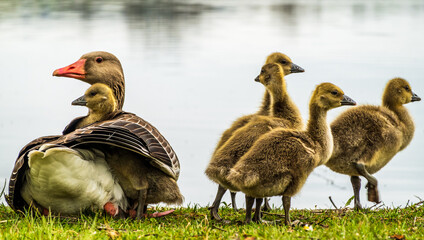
(190, 69)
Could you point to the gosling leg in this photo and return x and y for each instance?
(233, 200)
(373, 195)
(214, 208)
(356, 184)
(141, 203)
(266, 207)
(286, 205)
(257, 216)
(249, 205)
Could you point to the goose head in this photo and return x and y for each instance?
(272, 77)
(99, 99)
(98, 67)
(327, 96)
(398, 92)
(285, 62)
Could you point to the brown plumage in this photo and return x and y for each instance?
(280, 161)
(283, 113)
(367, 137)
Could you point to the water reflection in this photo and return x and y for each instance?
(190, 67)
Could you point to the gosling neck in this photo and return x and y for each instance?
(283, 107)
(319, 131)
(96, 115)
(266, 102)
(406, 123)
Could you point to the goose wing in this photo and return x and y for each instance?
(127, 130)
(20, 166)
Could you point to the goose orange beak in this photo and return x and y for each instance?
(75, 70)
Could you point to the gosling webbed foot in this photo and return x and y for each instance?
(257, 217)
(266, 206)
(372, 192)
(286, 205)
(249, 206)
(215, 206)
(141, 204)
(233, 201)
(371, 185)
(356, 185)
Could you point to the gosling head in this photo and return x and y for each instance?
(97, 67)
(328, 96)
(398, 92)
(285, 62)
(99, 99)
(271, 76)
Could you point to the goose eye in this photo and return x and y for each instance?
(407, 88)
(284, 62)
(99, 59)
(334, 92)
(92, 94)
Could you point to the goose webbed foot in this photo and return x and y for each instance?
(215, 206)
(233, 201)
(356, 185)
(266, 206)
(111, 209)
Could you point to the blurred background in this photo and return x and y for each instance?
(190, 69)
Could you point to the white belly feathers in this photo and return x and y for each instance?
(70, 180)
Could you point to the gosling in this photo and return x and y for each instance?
(283, 113)
(280, 161)
(367, 137)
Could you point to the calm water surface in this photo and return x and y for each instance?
(190, 69)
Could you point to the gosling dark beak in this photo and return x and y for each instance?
(296, 69)
(257, 79)
(80, 101)
(347, 101)
(415, 97)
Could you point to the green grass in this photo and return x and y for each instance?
(194, 222)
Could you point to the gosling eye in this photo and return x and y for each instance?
(99, 59)
(262, 71)
(334, 92)
(284, 62)
(92, 94)
(407, 88)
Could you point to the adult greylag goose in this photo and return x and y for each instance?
(280, 161)
(93, 67)
(159, 153)
(283, 113)
(367, 137)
